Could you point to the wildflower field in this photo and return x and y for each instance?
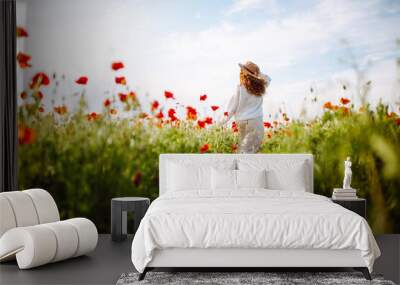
(85, 158)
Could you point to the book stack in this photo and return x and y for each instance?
(344, 194)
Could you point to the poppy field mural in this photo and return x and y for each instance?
(85, 156)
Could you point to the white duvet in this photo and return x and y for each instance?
(253, 218)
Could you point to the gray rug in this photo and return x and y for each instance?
(231, 278)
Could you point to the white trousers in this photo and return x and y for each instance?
(251, 134)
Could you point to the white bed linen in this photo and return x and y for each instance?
(251, 218)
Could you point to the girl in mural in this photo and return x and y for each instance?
(246, 105)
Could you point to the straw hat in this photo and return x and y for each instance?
(253, 70)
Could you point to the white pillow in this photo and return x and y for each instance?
(282, 174)
(193, 174)
(223, 179)
(182, 177)
(251, 178)
(293, 180)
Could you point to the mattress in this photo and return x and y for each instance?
(250, 219)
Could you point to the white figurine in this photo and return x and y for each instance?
(347, 174)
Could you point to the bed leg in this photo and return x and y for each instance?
(143, 274)
(364, 271)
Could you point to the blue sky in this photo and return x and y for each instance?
(193, 47)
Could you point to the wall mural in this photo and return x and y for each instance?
(86, 145)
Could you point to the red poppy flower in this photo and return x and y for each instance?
(160, 115)
(25, 135)
(203, 97)
(23, 59)
(38, 95)
(171, 115)
(83, 80)
(171, 112)
(344, 101)
(61, 110)
(122, 97)
(113, 111)
(41, 109)
(328, 105)
(137, 178)
(117, 65)
(23, 95)
(234, 147)
(93, 116)
(169, 95)
(234, 127)
(107, 103)
(398, 121)
(267, 125)
(201, 124)
(345, 110)
(154, 105)
(204, 148)
(21, 32)
(132, 95)
(208, 120)
(120, 80)
(226, 114)
(191, 113)
(40, 79)
(214, 108)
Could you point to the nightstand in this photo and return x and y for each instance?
(357, 205)
(119, 208)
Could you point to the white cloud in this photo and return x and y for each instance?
(245, 5)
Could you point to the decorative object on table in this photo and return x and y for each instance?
(32, 233)
(345, 193)
(119, 208)
(248, 278)
(357, 205)
(347, 174)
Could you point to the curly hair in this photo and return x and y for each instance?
(253, 85)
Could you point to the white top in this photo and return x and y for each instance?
(244, 106)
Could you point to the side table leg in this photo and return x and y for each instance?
(116, 222)
(124, 221)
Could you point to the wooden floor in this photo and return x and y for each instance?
(110, 260)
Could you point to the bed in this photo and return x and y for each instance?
(247, 210)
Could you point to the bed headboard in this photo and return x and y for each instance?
(202, 158)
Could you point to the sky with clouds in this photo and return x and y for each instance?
(193, 47)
